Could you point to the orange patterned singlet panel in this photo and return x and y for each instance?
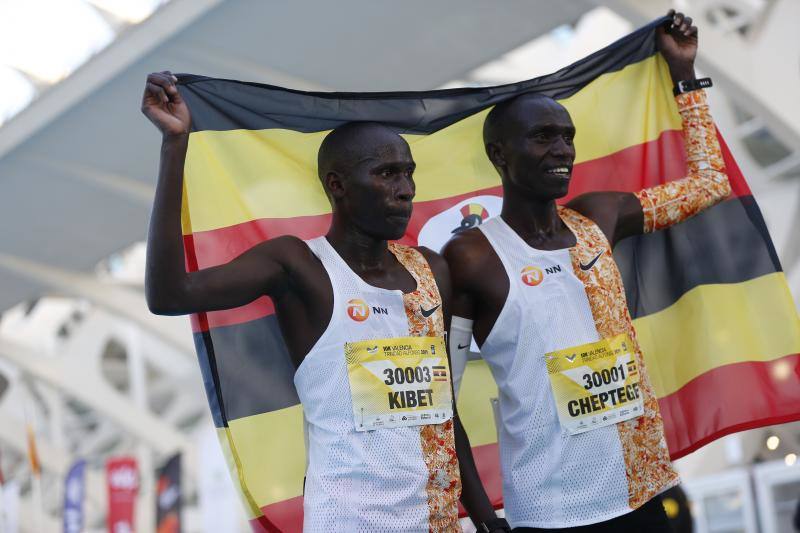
(706, 185)
(647, 463)
(438, 441)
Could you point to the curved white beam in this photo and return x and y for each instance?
(87, 386)
(121, 300)
(119, 55)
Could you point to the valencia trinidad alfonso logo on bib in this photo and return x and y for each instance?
(532, 276)
(357, 310)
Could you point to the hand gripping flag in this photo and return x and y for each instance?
(714, 316)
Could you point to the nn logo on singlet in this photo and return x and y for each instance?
(358, 310)
(532, 275)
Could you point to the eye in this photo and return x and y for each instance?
(387, 173)
(569, 139)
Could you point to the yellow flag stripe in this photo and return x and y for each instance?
(241, 175)
(272, 468)
(475, 407)
(715, 325)
(235, 466)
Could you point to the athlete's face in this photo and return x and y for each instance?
(537, 152)
(380, 188)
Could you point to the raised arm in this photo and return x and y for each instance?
(168, 287)
(706, 184)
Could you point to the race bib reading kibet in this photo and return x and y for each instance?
(403, 381)
(595, 384)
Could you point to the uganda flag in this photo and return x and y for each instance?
(712, 309)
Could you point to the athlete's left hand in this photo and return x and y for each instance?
(677, 41)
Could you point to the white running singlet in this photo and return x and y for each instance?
(387, 480)
(559, 299)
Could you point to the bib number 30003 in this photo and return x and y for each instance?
(398, 382)
(595, 384)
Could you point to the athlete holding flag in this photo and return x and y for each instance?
(364, 323)
(581, 439)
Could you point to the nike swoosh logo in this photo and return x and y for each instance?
(428, 312)
(591, 263)
(571, 359)
(462, 347)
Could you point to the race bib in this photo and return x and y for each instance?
(595, 384)
(404, 381)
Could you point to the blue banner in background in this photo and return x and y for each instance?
(74, 492)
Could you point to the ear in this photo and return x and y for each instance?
(496, 155)
(334, 184)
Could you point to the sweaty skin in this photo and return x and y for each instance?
(367, 172)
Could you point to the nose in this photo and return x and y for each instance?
(561, 147)
(406, 189)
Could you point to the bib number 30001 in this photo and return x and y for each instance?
(399, 382)
(595, 384)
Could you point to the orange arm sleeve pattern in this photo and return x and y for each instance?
(706, 185)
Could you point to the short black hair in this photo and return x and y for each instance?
(496, 123)
(345, 145)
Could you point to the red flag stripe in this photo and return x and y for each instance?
(765, 393)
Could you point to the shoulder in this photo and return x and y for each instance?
(467, 254)
(435, 261)
(294, 246)
(602, 208)
(287, 250)
(466, 243)
(594, 205)
(617, 214)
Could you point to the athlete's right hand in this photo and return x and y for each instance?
(163, 105)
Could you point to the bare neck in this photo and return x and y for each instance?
(532, 219)
(362, 252)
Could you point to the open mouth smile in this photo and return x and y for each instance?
(559, 172)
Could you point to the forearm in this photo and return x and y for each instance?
(165, 271)
(459, 341)
(473, 495)
(706, 183)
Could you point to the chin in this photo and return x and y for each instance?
(547, 196)
(389, 233)
(542, 191)
(396, 235)
(561, 194)
(557, 191)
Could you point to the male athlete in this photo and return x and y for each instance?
(581, 438)
(375, 464)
